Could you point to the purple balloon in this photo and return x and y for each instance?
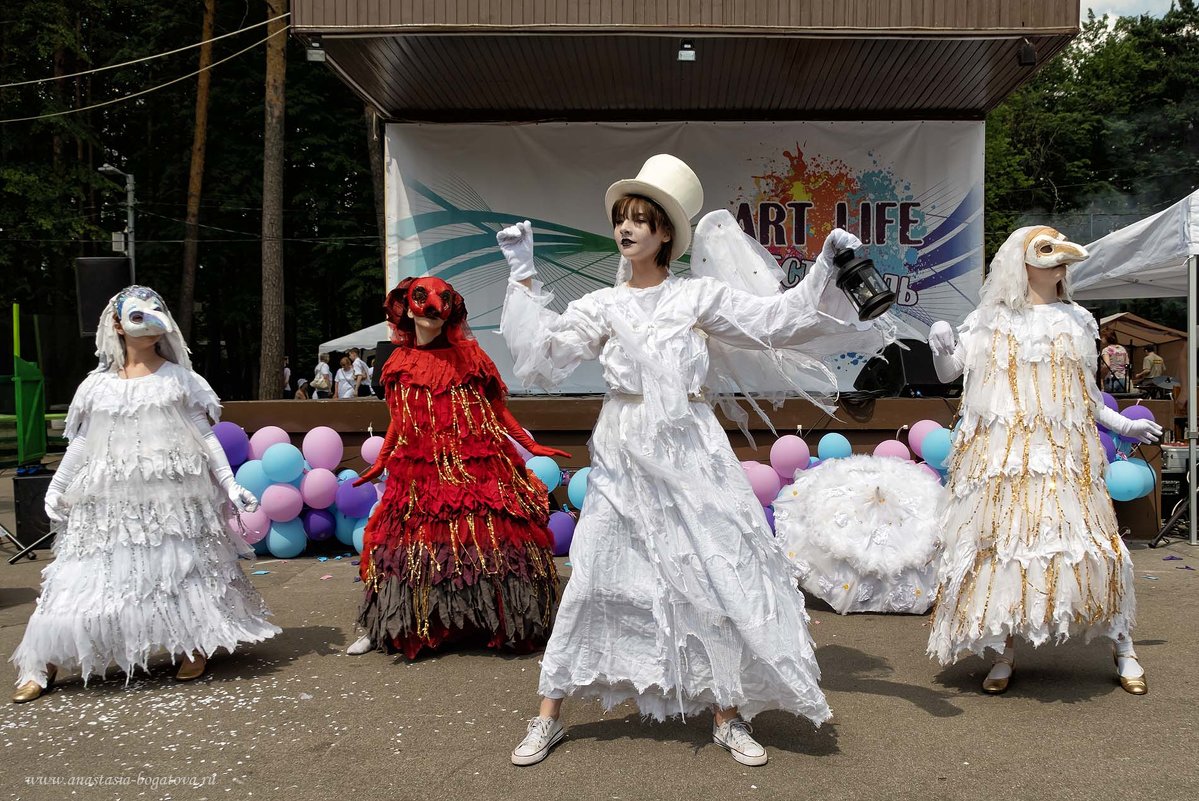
(319, 524)
(234, 442)
(562, 526)
(1110, 402)
(355, 501)
(1138, 413)
(769, 516)
(1109, 445)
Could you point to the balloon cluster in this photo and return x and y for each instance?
(1127, 479)
(562, 522)
(790, 455)
(301, 499)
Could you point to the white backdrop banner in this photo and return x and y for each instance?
(912, 191)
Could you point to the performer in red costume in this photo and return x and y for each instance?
(458, 548)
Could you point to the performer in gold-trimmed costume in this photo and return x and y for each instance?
(1032, 548)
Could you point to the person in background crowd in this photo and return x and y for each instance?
(302, 389)
(347, 380)
(362, 372)
(1115, 360)
(1153, 365)
(322, 379)
(286, 380)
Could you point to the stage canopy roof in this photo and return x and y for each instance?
(501, 60)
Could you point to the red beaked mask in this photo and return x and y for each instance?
(425, 297)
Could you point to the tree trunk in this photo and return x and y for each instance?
(270, 368)
(374, 148)
(195, 179)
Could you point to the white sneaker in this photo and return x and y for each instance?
(734, 737)
(544, 734)
(362, 645)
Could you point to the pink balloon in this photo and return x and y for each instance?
(788, 454)
(252, 526)
(524, 453)
(893, 448)
(764, 481)
(266, 437)
(319, 487)
(282, 502)
(918, 432)
(932, 471)
(323, 448)
(370, 449)
(380, 488)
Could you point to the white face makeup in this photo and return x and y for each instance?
(142, 313)
(1047, 249)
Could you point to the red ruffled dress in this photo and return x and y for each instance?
(458, 549)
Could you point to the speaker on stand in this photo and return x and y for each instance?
(97, 279)
(905, 369)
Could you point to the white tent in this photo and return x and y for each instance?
(363, 339)
(1156, 257)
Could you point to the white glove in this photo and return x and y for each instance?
(242, 499)
(516, 243)
(1143, 431)
(941, 340)
(838, 239)
(56, 508)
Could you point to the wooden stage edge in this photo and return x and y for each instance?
(566, 421)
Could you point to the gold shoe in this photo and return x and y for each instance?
(192, 669)
(31, 690)
(999, 686)
(1133, 686)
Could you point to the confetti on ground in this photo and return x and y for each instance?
(260, 572)
(356, 562)
(322, 559)
(1149, 578)
(1171, 558)
(326, 577)
(1183, 567)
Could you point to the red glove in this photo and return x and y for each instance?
(520, 435)
(376, 470)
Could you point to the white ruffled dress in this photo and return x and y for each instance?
(1032, 547)
(864, 533)
(145, 560)
(679, 597)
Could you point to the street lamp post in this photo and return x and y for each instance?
(112, 171)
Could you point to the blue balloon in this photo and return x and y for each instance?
(833, 446)
(576, 490)
(815, 460)
(936, 447)
(251, 476)
(287, 540)
(547, 470)
(347, 475)
(359, 533)
(1148, 477)
(345, 527)
(1124, 481)
(283, 463)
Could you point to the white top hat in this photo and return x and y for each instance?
(671, 184)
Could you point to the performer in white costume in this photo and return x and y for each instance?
(864, 533)
(143, 557)
(1032, 545)
(679, 598)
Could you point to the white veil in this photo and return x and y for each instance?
(111, 351)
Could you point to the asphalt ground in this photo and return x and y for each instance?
(295, 718)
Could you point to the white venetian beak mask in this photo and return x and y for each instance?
(143, 314)
(1047, 248)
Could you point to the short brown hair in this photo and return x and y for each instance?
(635, 206)
(1111, 338)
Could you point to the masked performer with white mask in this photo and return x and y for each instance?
(1032, 548)
(144, 560)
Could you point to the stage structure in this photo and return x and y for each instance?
(797, 117)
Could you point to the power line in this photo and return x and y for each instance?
(284, 29)
(146, 58)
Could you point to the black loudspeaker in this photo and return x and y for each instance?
(383, 351)
(97, 279)
(905, 369)
(1174, 489)
(29, 494)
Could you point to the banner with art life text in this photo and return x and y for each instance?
(912, 191)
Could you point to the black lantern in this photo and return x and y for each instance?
(860, 281)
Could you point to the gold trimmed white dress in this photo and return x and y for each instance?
(1032, 546)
